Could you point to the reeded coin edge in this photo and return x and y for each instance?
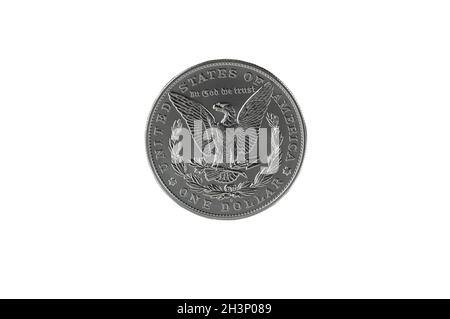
(218, 63)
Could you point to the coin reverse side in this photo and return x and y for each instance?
(225, 139)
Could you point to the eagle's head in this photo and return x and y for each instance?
(229, 112)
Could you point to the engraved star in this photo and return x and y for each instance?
(287, 171)
(172, 181)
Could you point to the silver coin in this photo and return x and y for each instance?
(225, 139)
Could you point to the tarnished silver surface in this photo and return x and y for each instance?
(204, 104)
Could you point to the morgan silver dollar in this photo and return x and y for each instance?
(225, 139)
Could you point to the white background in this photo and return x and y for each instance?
(81, 214)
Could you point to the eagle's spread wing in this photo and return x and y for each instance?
(192, 111)
(252, 113)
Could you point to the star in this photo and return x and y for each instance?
(172, 181)
(286, 171)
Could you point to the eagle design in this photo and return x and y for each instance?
(250, 115)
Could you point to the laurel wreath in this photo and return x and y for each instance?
(239, 190)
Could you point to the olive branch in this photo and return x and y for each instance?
(239, 190)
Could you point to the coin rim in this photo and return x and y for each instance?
(216, 215)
